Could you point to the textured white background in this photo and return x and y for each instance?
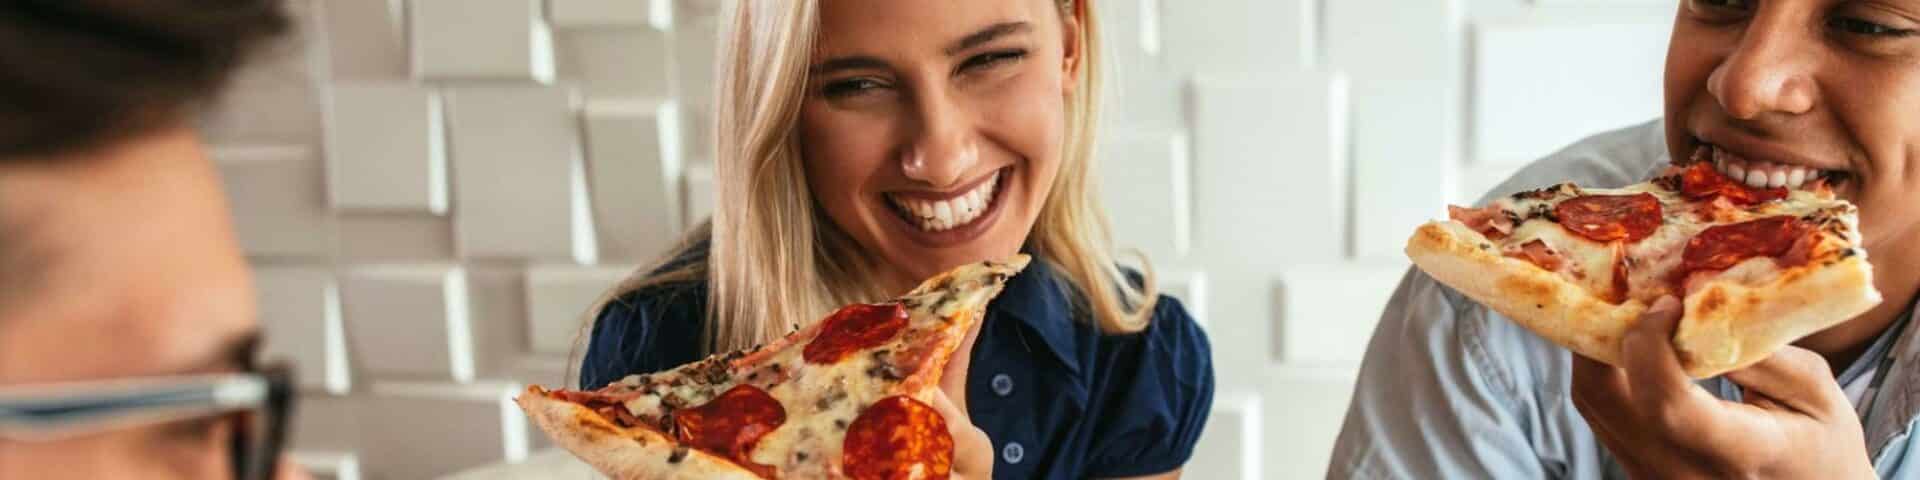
(433, 190)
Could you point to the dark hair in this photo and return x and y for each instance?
(82, 73)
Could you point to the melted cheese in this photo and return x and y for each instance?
(1652, 260)
(822, 400)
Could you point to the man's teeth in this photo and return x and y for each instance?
(941, 215)
(1762, 174)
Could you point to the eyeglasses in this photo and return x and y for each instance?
(258, 401)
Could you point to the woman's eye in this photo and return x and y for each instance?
(991, 59)
(850, 87)
(1857, 26)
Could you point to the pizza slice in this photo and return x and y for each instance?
(1755, 267)
(847, 397)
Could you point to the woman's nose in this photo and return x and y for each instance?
(944, 149)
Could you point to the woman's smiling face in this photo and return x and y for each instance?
(932, 130)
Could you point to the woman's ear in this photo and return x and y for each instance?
(1071, 48)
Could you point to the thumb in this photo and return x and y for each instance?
(1798, 378)
(972, 450)
(954, 380)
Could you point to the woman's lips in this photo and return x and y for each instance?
(952, 212)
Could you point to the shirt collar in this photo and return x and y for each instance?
(1038, 299)
(1895, 407)
(1877, 352)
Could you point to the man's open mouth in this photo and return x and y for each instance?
(1762, 173)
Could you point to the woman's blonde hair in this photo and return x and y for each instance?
(775, 262)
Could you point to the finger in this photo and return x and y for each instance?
(1659, 387)
(954, 380)
(1597, 423)
(1601, 386)
(972, 450)
(1599, 393)
(1646, 353)
(1797, 378)
(1764, 402)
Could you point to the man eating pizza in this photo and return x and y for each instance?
(1778, 92)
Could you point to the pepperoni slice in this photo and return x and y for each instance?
(1723, 246)
(1620, 287)
(897, 438)
(1605, 218)
(853, 328)
(1701, 181)
(730, 425)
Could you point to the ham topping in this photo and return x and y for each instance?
(1491, 220)
(1538, 253)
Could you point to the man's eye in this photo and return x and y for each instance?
(1862, 27)
(199, 430)
(1719, 11)
(850, 87)
(1734, 4)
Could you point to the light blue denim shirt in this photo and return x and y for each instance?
(1450, 389)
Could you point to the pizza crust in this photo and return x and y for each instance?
(1717, 332)
(621, 453)
(1537, 299)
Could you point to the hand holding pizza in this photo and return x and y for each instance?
(972, 450)
(1794, 423)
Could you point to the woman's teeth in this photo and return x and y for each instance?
(1762, 174)
(934, 216)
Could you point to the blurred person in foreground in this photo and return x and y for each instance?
(127, 329)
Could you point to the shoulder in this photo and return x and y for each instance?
(658, 306)
(661, 296)
(1172, 356)
(651, 328)
(646, 330)
(1441, 366)
(1465, 337)
(652, 303)
(1155, 393)
(1610, 159)
(1173, 337)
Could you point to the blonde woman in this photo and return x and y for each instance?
(867, 144)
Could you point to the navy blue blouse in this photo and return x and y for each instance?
(1058, 398)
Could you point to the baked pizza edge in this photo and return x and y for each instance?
(1718, 334)
(1552, 307)
(618, 452)
(1712, 338)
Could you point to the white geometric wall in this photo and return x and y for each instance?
(433, 191)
